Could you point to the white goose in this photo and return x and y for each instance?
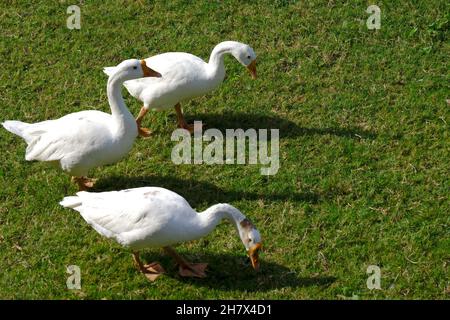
(184, 76)
(83, 140)
(156, 217)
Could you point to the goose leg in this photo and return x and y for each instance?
(151, 270)
(187, 269)
(84, 183)
(143, 132)
(181, 120)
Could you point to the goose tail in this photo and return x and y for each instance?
(109, 71)
(17, 127)
(71, 202)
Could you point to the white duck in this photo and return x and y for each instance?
(184, 76)
(83, 140)
(156, 217)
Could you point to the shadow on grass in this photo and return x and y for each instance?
(199, 192)
(287, 128)
(233, 272)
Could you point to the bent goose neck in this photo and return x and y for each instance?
(212, 216)
(216, 59)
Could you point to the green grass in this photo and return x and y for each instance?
(364, 149)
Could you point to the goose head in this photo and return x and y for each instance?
(246, 56)
(134, 69)
(251, 239)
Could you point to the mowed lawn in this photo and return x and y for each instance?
(364, 148)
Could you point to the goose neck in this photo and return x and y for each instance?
(216, 59)
(119, 111)
(212, 216)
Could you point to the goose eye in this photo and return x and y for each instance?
(134, 67)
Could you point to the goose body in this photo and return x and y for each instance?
(139, 218)
(84, 140)
(78, 141)
(156, 217)
(184, 77)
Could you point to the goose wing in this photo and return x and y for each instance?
(52, 140)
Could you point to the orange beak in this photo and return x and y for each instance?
(149, 72)
(253, 253)
(252, 68)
